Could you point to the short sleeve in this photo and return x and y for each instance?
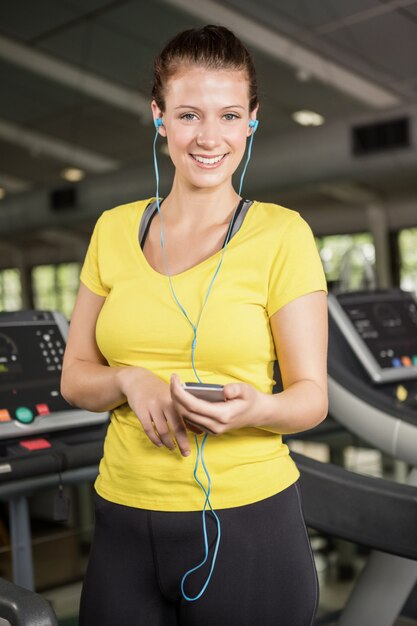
(297, 268)
(90, 271)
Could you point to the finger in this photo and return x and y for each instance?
(178, 430)
(192, 404)
(149, 429)
(233, 390)
(201, 420)
(199, 428)
(227, 418)
(163, 431)
(179, 414)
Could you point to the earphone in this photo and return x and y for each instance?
(253, 124)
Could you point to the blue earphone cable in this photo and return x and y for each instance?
(203, 512)
(200, 453)
(254, 125)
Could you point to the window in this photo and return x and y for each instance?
(407, 241)
(10, 290)
(348, 259)
(55, 287)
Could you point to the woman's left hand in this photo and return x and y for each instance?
(243, 407)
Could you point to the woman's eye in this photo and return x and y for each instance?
(231, 116)
(189, 116)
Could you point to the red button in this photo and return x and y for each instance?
(4, 415)
(35, 444)
(43, 409)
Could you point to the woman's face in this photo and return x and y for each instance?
(206, 122)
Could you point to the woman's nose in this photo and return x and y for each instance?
(209, 134)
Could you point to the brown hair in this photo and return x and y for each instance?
(211, 47)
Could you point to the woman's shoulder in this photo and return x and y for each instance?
(124, 212)
(275, 214)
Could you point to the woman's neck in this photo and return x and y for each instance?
(194, 206)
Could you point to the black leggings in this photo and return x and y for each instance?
(264, 573)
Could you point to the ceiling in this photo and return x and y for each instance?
(76, 78)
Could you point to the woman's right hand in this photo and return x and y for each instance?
(149, 398)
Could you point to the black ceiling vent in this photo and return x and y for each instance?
(63, 199)
(381, 136)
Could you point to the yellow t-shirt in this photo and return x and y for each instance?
(271, 260)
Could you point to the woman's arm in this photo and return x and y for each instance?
(89, 383)
(300, 334)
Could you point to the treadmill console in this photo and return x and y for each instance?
(32, 345)
(381, 328)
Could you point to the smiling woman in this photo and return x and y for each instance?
(206, 122)
(213, 287)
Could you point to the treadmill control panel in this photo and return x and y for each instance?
(32, 345)
(381, 328)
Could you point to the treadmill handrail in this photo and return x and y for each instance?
(374, 512)
(22, 607)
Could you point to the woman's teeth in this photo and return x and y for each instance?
(208, 161)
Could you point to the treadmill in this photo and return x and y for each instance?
(32, 345)
(372, 378)
(44, 442)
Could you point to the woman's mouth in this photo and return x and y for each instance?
(208, 162)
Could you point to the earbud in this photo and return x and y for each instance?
(254, 125)
(158, 122)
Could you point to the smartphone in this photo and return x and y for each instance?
(204, 391)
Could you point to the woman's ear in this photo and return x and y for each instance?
(157, 115)
(252, 116)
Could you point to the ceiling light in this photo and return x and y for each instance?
(72, 174)
(2, 193)
(308, 118)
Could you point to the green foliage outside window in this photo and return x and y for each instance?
(55, 287)
(350, 251)
(10, 290)
(408, 251)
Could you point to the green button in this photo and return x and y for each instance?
(24, 415)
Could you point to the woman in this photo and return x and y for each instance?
(220, 303)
